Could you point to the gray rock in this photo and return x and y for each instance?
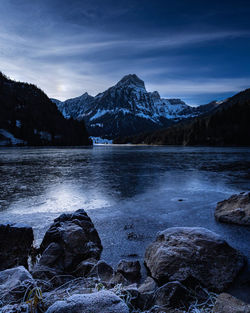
(149, 285)
(159, 309)
(71, 239)
(99, 302)
(50, 263)
(13, 284)
(193, 255)
(16, 308)
(103, 271)
(85, 267)
(118, 278)
(146, 290)
(235, 210)
(15, 245)
(131, 270)
(76, 286)
(172, 294)
(226, 303)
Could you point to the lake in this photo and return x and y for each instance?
(130, 192)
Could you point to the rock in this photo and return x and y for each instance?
(118, 278)
(146, 290)
(13, 284)
(226, 303)
(193, 255)
(15, 245)
(71, 239)
(76, 286)
(131, 295)
(172, 294)
(99, 302)
(50, 263)
(235, 210)
(16, 308)
(103, 271)
(131, 270)
(84, 268)
(158, 309)
(149, 285)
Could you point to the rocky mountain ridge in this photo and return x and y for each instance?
(226, 125)
(127, 108)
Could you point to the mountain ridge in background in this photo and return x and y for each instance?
(29, 117)
(125, 113)
(127, 108)
(227, 125)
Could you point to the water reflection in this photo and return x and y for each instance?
(37, 184)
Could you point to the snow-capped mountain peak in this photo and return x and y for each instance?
(124, 109)
(131, 80)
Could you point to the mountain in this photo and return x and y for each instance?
(227, 125)
(127, 108)
(29, 117)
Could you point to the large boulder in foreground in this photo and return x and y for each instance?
(71, 239)
(15, 245)
(14, 282)
(235, 210)
(98, 302)
(193, 255)
(226, 303)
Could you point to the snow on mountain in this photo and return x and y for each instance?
(75, 107)
(100, 141)
(6, 138)
(124, 109)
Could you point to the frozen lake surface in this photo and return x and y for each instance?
(130, 192)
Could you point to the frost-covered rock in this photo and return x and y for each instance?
(99, 302)
(146, 297)
(149, 285)
(16, 308)
(193, 255)
(235, 210)
(84, 267)
(131, 270)
(226, 303)
(71, 239)
(13, 284)
(102, 271)
(15, 245)
(73, 287)
(172, 294)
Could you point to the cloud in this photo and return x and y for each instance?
(67, 49)
(206, 85)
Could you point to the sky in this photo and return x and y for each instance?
(198, 51)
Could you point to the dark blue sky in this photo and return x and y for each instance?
(195, 50)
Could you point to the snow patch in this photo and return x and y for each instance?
(101, 141)
(18, 123)
(96, 125)
(99, 113)
(10, 139)
(45, 135)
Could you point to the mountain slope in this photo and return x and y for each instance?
(28, 116)
(227, 125)
(127, 108)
